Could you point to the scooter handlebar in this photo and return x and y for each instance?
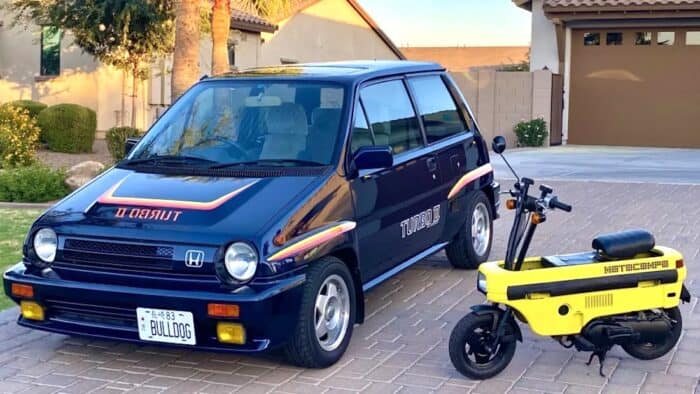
(555, 203)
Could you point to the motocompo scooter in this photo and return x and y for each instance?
(624, 292)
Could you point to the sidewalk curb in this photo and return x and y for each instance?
(25, 205)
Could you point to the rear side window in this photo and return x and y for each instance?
(437, 107)
(391, 116)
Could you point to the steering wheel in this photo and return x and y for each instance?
(239, 149)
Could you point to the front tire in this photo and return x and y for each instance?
(650, 351)
(469, 343)
(472, 244)
(326, 315)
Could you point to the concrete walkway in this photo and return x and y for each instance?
(604, 164)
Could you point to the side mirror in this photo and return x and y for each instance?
(499, 144)
(129, 145)
(369, 157)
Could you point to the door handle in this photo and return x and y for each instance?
(432, 164)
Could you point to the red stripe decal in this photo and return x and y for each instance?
(109, 198)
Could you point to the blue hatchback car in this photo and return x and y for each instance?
(260, 207)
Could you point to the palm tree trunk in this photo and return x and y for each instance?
(220, 26)
(134, 93)
(186, 56)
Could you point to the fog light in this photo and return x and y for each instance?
(230, 333)
(223, 310)
(20, 290)
(31, 310)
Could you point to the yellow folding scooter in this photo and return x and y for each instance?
(624, 292)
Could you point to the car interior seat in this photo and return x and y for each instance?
(287, 131)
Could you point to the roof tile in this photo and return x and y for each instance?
(614, 3)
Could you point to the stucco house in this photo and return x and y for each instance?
(630, 68)
(41, 64)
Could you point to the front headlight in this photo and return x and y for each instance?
(241, 261)
(45, 244)
(481, 282)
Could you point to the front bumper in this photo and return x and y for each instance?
(109, 311)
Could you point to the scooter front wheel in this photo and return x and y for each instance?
(473, 349)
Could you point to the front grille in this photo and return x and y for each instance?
(93, 315)
(122, 249)
(82, 253)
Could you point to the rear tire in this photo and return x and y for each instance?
(472, 244)
(326, 315)
(650, 351)
(466, 347)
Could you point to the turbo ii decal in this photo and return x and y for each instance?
(423, 220)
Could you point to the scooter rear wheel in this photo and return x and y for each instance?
(650, 351)
(472, 350)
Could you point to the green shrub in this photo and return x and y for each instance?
(33, 107)
(532, 133)
(116, 138)
(68, 128)
(19, 134)
(35, 183)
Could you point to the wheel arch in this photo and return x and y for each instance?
(348, 256)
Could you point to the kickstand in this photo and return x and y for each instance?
(601, 359)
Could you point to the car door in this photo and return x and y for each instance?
(395, 207)
(450, 137)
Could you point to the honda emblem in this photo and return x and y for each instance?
(194, 258)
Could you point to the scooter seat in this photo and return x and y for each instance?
(571, 259)
(624, 244)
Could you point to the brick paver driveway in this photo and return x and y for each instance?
(403, 345)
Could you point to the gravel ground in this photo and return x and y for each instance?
(67, 160)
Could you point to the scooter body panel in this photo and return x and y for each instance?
(562, 300)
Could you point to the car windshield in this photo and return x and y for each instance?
(247, 122)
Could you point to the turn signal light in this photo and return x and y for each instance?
(223, 310)
(31, 310)
(20, 290)
(230, 333)
(510, 203)
(679, 263)
(537, 218)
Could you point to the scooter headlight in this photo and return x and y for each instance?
(481, 283)
(45, 244)
(241, 261)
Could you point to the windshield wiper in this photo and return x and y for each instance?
(168, 159)
(269, 162)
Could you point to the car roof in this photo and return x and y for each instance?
(346, 70)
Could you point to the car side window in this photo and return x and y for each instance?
(361, 135)
(437, 108)
(391, 116)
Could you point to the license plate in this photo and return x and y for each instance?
(163, 325)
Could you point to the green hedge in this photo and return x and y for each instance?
(33, 107)
(36, 183)
(116, 138)
(68, 128)
(531, 133)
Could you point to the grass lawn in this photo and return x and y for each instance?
(14, 224)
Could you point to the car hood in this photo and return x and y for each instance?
(190, 209)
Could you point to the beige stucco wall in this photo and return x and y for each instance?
(500, 100)
(82, 81)
(326, 31)
(543, 51)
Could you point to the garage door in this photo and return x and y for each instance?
(635, 87)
